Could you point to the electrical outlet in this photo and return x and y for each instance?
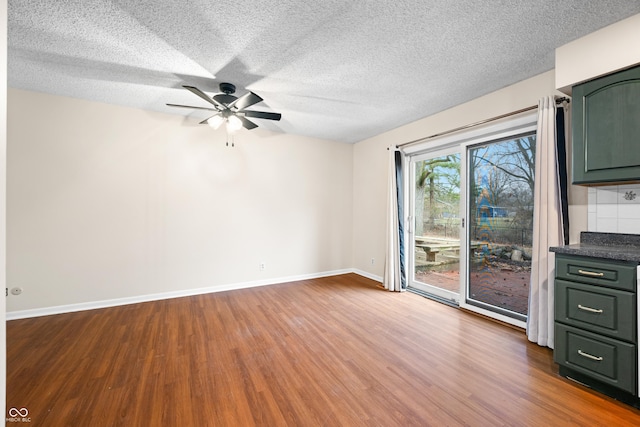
(373, 261)
(262, 266)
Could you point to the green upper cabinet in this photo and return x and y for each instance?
(606, 129)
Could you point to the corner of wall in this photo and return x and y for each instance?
(609, 49)
(3, 200)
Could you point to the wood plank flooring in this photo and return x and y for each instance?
(337, 351)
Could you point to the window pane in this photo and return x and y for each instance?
(501, 223)
(437, 223)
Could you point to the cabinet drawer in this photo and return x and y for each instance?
(613, 274)
(608, 360)
(597, 309)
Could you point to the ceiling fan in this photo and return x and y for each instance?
(230, 108)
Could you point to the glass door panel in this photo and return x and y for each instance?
(500, 200)
(436, 237)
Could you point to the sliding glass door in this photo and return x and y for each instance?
(436, 233)
(471, 224)
(500, 201)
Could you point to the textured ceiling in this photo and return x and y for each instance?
(343, 70)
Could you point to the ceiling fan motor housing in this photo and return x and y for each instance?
(227, 88)
(225, 97)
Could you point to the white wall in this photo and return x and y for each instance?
(3, 200)
(610, 49)
(107, 202)
(370, 164)
(602, 52)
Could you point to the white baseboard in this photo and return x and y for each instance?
(367, 275)
(70, 308)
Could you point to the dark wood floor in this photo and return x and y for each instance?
(336, 351)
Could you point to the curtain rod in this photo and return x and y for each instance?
(481, 122)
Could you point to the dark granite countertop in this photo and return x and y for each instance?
(614, 246)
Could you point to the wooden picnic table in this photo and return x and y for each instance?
(433, 245)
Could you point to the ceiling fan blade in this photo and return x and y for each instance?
(206, 121)
(204, 96)
(191, 106)
(248, 124)
(246, 100)
(262, 115)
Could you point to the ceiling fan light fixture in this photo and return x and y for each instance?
(234, 123)
(215, 121)
(230, 109)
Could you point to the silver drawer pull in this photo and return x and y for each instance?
(590, 356)
(590, 273)
(589, 309)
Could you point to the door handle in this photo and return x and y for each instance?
(590, 273)
(590, 356)
(590, 310)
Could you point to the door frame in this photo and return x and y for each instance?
(461, 141)
(439, 293)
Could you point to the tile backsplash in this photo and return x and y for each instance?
(614, 209)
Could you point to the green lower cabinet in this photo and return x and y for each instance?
(604, 273)
(607, 360)
(598, 309)
(606, 128)
(596, 326)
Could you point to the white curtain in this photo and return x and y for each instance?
(547, 227)
(392, 267)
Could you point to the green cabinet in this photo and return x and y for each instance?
(606, 129)
(596, 334)
(596, 308)
(606, 360)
